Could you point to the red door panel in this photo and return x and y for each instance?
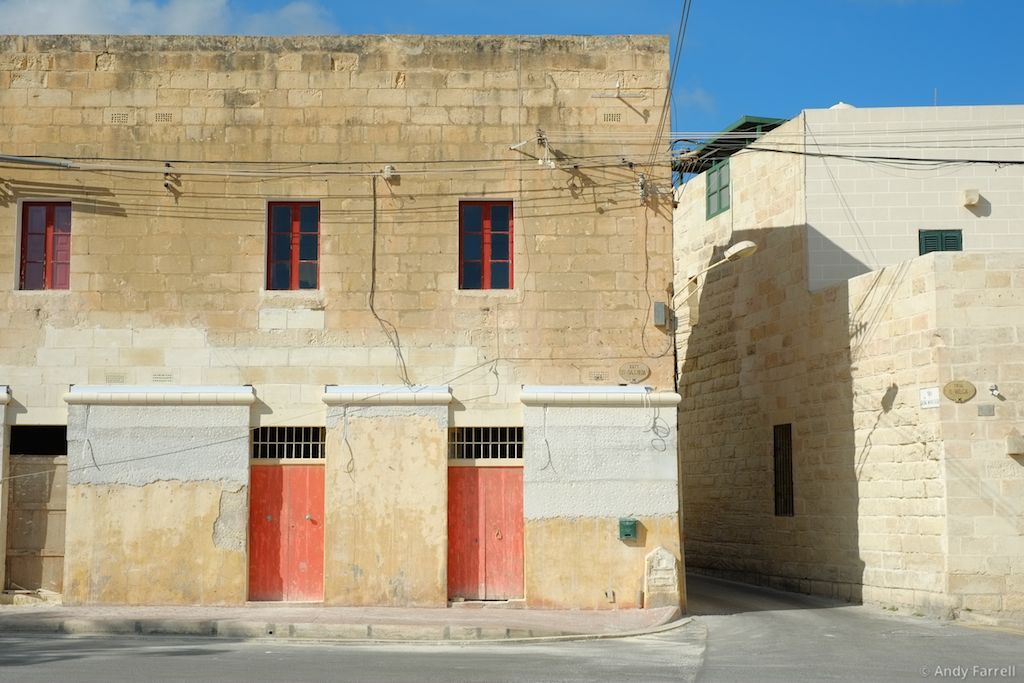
(485, 532)
(501, 495)
(465, 552)
(304, 555)
(286, 533)
(266, 512)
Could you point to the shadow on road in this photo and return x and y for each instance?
(706, 595)
(33, 649)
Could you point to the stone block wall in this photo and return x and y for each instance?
(980, 338)
(169, 284)
(862, 216)
(895, 502)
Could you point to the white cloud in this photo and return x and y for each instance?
(696, 98)
(159, 17)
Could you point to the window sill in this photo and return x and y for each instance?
(293, 299)
(489, 293)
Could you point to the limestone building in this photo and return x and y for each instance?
(853, 394)
(360, 320)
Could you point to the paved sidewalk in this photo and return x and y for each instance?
(335, 623)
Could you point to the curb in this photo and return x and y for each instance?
(316, 632)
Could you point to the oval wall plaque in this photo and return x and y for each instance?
(959, 391)
(634, 372)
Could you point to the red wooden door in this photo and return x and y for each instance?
(286, 533)
(485, 532)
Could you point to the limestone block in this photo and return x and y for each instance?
(661, 579)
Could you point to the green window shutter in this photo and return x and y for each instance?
(939, 240)
(929, 241)
(717, 188)
(952, 240)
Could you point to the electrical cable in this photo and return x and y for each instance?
(390, 331)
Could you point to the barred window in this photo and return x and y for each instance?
(288, 443)
(485, 443)
(782, 453)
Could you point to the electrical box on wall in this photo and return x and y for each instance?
(661, 314)
(627, 529)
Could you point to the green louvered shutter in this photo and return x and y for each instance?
(939, 240)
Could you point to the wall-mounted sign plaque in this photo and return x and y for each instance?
(959, 391)
(634, 372)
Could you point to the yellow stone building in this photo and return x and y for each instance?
(853, 394)
(359, 320)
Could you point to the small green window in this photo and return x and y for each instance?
(718, 188)
(939, 240)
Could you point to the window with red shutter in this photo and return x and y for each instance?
(293, 245)
(485, 245)
(45, 245)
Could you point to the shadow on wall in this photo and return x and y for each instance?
(86, 198)
(766, 352)
(829, 263)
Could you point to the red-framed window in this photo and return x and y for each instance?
(485, 245)
(45, 245)
(293, 245)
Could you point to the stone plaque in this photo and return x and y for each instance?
(634, 372)
(959, 391)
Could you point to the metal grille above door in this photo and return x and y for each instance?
(485, 443)
(288, 443)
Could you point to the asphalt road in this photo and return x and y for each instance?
(739, 633)
(46, 658)
(756, 634)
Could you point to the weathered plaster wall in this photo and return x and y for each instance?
(386, 506)
(599, 462)
(157, 504)
(584, 468)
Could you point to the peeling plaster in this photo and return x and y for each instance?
(229, 531)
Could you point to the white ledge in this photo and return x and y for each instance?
(387, 395)
(5, 394)
(159, 395)
(583, 395)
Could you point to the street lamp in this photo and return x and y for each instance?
(740, 250)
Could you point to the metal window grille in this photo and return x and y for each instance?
(782, 451)
(288, 443)
(485, 443)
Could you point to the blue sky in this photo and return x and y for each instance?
(739, 57)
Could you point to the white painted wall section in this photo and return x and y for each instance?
(141, 444)
(599, 461)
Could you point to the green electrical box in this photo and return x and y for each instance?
(627, 529)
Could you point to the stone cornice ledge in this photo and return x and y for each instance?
(160, 395)
(596, 395)
(387, 395)
(5, 394)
